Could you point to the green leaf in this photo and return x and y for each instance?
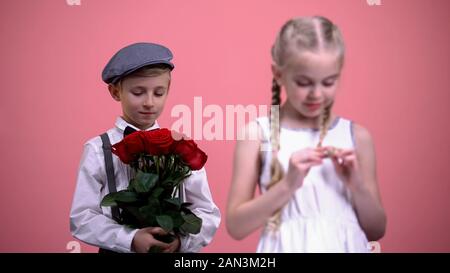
(125, 196)
(154, 203)
(145, 181)
(132, 184)
(151, 209)
(192, 223)
(131, 216)
(109, 200)
(174, 201)
(157, 192)
(165, 222)
(177, 219)
(134, 211)
(148, 213)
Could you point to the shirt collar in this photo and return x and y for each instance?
(121, 124)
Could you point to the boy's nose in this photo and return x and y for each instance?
(149, 101)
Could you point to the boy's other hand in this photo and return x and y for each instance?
(144, 239)
(174, 246)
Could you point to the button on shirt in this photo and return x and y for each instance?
(93, 224)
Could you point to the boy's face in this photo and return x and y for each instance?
(142, 98)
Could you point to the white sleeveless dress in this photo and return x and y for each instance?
(320, 216)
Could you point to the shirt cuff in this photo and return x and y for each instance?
(125, 238)
(185, 242)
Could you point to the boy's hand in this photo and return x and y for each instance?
(144, 239)
(174, 246)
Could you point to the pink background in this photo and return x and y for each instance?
(395, 83)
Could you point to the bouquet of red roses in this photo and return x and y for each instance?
(160, 160)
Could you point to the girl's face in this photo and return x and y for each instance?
(310, 80)
(142, 98)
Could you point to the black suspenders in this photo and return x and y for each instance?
(110, 172)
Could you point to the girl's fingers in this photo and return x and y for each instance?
(330, 151)
(320, 150)
(315, 154)
(314, 163)
(344, 165)
(299, 158)
(336, 163)
(310, 163)
(346, 156)
(340, 157)
(349, 161)
(344, 153)
(326, 152)
(307, 161)
(312, 159)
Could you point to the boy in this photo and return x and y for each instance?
(138, 76)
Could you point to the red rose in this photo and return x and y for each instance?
(159, 141)
(129, 147)
(190, 154)
(120, 150)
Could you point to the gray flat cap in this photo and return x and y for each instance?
(133, 57)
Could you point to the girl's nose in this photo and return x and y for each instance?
(315, 92)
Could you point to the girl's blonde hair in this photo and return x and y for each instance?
(299, 35)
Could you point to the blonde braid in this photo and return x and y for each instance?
(276, 170)
(275, 116)
(324, 124)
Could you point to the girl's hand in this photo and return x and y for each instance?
(299, 165)
(346, 165)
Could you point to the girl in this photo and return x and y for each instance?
(317, 174)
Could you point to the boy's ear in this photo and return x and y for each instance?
(114, 91)
(276, 72)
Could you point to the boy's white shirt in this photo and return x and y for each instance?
(93, 224)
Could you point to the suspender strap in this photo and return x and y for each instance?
(110, 172)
